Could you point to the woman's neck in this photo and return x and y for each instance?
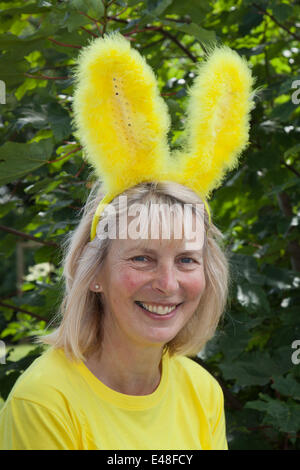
(134, 370)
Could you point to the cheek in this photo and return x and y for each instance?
(130, 280)
(196, 285)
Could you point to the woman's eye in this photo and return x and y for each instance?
(138, 258)
(190, 259)
(144, 258)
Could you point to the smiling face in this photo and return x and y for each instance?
(139, 276)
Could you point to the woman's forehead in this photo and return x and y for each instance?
(163, 223)
(156, 246)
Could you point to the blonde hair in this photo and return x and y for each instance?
(81, 311)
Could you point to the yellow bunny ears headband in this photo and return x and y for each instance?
(122, 121)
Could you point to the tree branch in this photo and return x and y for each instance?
(44, 77)
(165, 34)
(90, 32)
(92, 19)
(181, 46)
(64, 156)
(104, 24)
(63, 44)
(22, 310)
(27, 236)
(262, 10)
(290, 167)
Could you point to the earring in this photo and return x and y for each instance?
(97, 286)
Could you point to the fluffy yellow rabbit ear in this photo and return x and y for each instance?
(217, 126)
(119, 116)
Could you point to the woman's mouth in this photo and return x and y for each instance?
(156, 311)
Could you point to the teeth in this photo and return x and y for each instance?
(159, 309)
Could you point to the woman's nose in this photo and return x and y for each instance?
(165, 279)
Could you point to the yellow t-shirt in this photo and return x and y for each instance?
(59, 404)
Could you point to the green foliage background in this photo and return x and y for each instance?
(45, 183)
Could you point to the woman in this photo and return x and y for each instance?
(127, 394)
(117, 374)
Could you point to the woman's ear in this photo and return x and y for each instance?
(96, 287)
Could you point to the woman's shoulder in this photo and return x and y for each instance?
(39, 412)
(47, 378)
(193, 374)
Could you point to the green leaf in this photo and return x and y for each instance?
(157, 7)
(287, 386)
(235, 343)
(252, 297)
(60, 121)
(253, 368)
(96, 6)
(6, 208)
(192, 29)
(36, 117)
(133, 2)
(244, 267)
(74, 21)
(45, 185)
(40, 116)
(251, 19)
(44, 254)
(12, 70)
(20, 46)
(289, 183)
(284, 111)
(193, 8)
(281, 11)
(25, 9)
(281, 415)
(282, 279)
(265, 159)
(17, 160)
(292, 151)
